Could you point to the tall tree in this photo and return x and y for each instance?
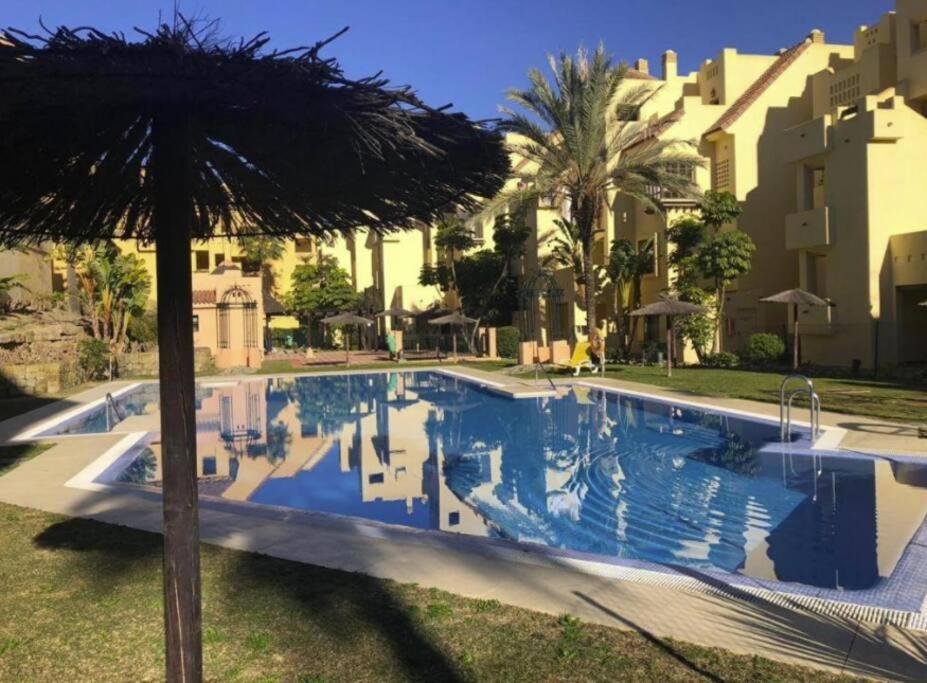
(320, 288)
(722, 256)
(179, 136)
(258, 253)
(628, 263)
(113, 287)
(483, 280)
(578, 136)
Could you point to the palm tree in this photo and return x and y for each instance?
(7, 285)
(566, 251)
(577, 135)
(177, 136)
(628, 263)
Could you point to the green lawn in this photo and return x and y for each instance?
(12, 455)
(880, 399)
(81, 600)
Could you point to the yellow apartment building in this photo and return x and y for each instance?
(734, 107)
(820, 143)
(858, 229)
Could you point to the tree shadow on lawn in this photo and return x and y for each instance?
(107, 553)
(340, 603)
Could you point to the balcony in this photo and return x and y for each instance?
(808, 229)
(815, 320)
(805, 140)
(884, 125)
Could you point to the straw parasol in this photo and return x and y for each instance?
(394, 313)
(457, 319)
(670, 308)
(346, 318)
(796, 298)
(173, 135)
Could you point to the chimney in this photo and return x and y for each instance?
(642, 66)
(816, 36)
(669, 65)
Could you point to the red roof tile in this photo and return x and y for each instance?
(204, 297)
(656, 129)
(639, 75)
(759, 86)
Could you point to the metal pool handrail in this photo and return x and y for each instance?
(785, 406)
(110, 404)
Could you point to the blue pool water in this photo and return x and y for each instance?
(616, 476)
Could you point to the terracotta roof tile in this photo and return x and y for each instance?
(639, 75)
(204, 297)
(759, 86)
(656, 129)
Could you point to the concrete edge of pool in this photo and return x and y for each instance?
(704, 609)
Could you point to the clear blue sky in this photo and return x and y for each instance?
(469, 51)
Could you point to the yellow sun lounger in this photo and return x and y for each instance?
(580, 359)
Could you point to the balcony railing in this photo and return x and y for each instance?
(815, 319)
(808, 229)
(805, 140)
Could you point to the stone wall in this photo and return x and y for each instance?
(39, 379)
(145, 363)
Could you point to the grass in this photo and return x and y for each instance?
(82, 600)
(13, 455)
(889, 400)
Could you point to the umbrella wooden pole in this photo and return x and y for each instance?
(669, 346)
(454, 344)
(173, 180)
(795, 340)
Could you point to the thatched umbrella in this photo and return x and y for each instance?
(670, 308)
(457, 319)
(796, 298)
(177, 137)
(393, 313)
(346, 318)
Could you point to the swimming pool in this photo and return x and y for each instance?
(588, 472)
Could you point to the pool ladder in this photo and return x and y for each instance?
(785, 406)
(110, 403)
(538, 367)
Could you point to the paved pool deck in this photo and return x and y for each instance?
(716, 615)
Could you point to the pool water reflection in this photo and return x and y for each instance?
(589, 471)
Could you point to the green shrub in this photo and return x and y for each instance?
(143, 328)
(722, 359)
(763, 348)
(507, 339)
(93, 357)
(291, 338)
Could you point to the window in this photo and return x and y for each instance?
(202, 260)
(844, 91)
(647, 250)
(209, 466)
(377, 478)
(681, 169)
(196, 323)
(721, 176)
(303, 245)
(219, 259)
(453, 518)
(816, 274)
(918, 35)
(628, 112)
